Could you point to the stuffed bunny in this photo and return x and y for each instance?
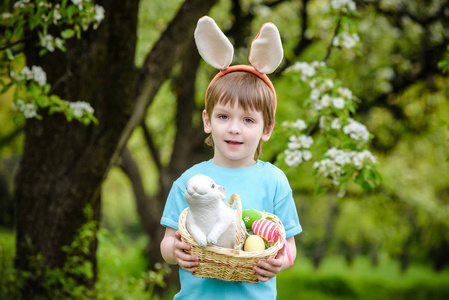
(209, 220)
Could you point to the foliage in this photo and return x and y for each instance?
(444, 64)
(342, 147)
(116, 280)
(68, 281)
(336, 280)
(31, 90)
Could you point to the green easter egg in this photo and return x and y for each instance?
(249, 216)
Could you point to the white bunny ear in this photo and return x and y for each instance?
(213, 46)
(266, 50)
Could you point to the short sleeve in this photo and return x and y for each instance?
(174, 206)
(285, 208)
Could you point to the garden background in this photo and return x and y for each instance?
(81, 195)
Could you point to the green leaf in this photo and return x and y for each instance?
(68, 33)
(42, 52)
(9, 54)
(42, 101)
(71, 10)
(8, 34)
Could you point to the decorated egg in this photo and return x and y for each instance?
(254, 243)
(270, 232)
(249, 216)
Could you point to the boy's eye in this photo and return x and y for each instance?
(223, 117)
(248, 120)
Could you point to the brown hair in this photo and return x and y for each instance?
(249, 90)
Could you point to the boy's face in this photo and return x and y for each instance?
(236, 134)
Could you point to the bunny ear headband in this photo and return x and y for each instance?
(216, 49)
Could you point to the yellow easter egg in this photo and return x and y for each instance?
(254, 243)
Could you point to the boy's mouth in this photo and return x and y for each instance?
(233, 142)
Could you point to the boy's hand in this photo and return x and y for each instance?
(265, 270)
(187, 262)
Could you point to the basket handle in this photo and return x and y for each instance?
(238, 224)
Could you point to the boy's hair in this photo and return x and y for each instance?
(249, 90)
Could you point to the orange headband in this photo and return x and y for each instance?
(249, 69)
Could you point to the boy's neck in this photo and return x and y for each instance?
(234, 164)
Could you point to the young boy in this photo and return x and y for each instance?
(239, 115)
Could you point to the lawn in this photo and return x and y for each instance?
(123, 276)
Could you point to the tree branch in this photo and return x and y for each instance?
(303, 41)
(160, 61)
(329, 48)
(154, 150)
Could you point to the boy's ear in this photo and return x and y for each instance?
(206, 122)
(267, 133)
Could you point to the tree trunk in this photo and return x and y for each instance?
(64, 163)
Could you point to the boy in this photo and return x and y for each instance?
(239, 115)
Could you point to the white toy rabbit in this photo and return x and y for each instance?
(209, 220)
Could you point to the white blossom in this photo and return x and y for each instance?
(21, 3)
(6, 15)
(39, 75)
(344, 5)
(296, 157)
(99, 13)
(306, 155)
(300, 124)
(346, 40)
(293, 158)
(80, 107)
(303, 141)
(328, 83)
(59, 43)
(36, 73)
(56, 14)
(360, 158)
(356, 130)
(336, 124)
(306, 69)
(325, 100)
(28, 109)
(335, 159)
(345, 92)
(338, 103)
(48, 42)
(315, 94)
(313, 83)
(79, 3)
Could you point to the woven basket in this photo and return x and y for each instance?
(229, 264)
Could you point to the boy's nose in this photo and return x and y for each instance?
(234, 128)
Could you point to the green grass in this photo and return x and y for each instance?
(122, 275)
(335, 280)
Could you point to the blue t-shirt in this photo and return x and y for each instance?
(263, 187)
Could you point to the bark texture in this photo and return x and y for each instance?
(64, 163)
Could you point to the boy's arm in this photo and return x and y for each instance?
(172, 250)
(266, 270)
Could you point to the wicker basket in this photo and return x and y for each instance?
(224, 263)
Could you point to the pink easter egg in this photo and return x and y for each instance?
(266, 229)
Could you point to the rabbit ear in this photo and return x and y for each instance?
(266, 50)
(222, 192)
(213, 46)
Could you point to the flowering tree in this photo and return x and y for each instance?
(60, 63)
(31, 89)
(343, 140)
